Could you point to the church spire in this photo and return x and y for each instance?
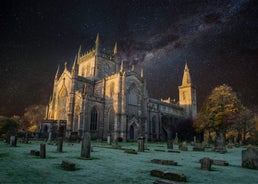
(79, 53)
(186, 77)
(57, 73)
(97, 44)
(122, 66)
(74, 64)
(65, 65)
(141, 72)
(115, 49)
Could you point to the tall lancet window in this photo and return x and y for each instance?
(133, 100)
(94, 119)
(61, 108)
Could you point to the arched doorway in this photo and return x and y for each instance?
(133, 131)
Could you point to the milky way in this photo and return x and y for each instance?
(218, 40)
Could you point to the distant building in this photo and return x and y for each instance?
(100, 97)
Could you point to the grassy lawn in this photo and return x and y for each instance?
(108, 165)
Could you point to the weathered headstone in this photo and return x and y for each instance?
(13, 140)
(183, 148)
(157, 173)
(206, 163)
(250, 158)
(176, 139)
(109, 139)
(174, 176)
(170, 144)
(42, 153)
(168, 175)
(86, 146)
(220, 144)
(68, 165)
(130, 151)
(164, 162)
(141, 144)
(60, 144)
(220, 162)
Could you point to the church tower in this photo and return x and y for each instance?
(187, 95)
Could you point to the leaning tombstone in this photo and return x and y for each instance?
(60, 144)
(42, 153)
(141, 144)
(13, 140)
(86, 146)
(250, 158)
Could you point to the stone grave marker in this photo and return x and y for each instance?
(206, 163)
(220, 144)
(141, 144)
(42, 153)
(60, 144)
(176, 139)
(109, 140)
(86, 146)
(170, 144)
(250, 158)
(68, 165)
(13, 140)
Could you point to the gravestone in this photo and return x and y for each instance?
(183, 148)
(86, 146)
(42, 153)
(60, 144)
(169, 144)
(13, 140)
(141, 144)
(250, 158)
(130, 151)
(50, 134)
(109, 139)
(176, 139)
(220, 144)
(206, 163)
(168, 175)
(68, 165)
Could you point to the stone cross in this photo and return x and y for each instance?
(86, 146)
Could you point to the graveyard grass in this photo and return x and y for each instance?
(108, 165)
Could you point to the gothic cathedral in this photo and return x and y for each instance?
(99, 96)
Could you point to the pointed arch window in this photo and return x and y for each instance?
(94, 119)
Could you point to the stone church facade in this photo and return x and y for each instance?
(99, 96)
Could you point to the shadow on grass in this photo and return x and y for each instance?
(4, 155)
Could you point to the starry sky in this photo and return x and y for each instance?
(218, 39)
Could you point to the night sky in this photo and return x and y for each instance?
(218, 40)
